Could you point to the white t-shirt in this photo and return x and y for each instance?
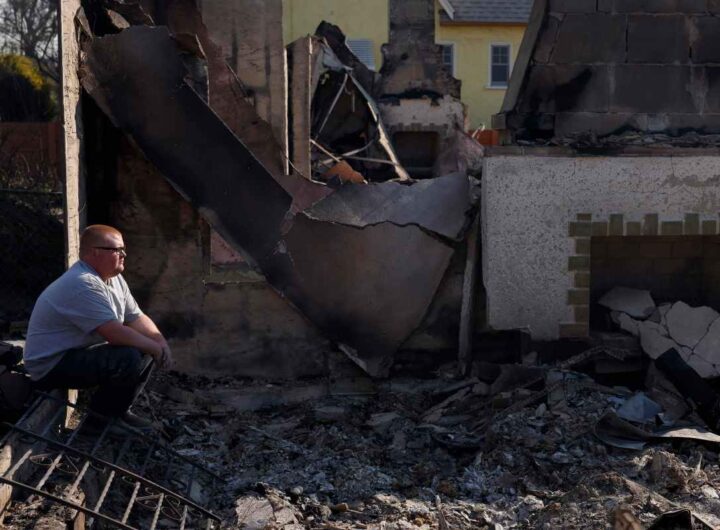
(69, 311)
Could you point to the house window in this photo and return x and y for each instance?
(448, 56)
(499, 65)
(363, 50)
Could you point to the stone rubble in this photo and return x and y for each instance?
(693, 331)
(634, 302)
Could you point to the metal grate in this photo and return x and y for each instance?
(144, 483)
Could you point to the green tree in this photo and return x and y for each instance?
(30, 28)
(25, 93)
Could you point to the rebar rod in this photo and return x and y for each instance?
(183, 518)
(130, 504)
(156, 515)
(105, 490)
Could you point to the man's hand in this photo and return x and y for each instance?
(165, 361)
(145, 326)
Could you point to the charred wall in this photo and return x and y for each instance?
(412, 62)
(614, 66)
(219, 322)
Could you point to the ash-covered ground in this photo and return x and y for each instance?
(394, 459)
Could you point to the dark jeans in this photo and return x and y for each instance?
(119, 372)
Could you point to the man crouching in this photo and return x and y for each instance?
(86, 330)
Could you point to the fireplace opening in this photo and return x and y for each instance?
(417, 151)
(672, 268)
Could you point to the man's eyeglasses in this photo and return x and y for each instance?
(117, 250)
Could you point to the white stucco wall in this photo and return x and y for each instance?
(529, 201)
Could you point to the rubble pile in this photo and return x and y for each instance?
(590, 140)
(693, 331)
(517, 452)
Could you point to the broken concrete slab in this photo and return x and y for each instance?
(462, 154)
(658, 315)
(709, 346)
(653, 342)
(255, 512)
(625, 322)
(635, 302)
(701, 366)
(688, 325)
(691, 386)
(401, 204)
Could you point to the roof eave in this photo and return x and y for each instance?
(483, 22)
(448, 8)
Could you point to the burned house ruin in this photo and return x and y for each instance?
(262, 230)
(609, 172)
(378, 323)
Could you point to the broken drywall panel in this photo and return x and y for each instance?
(361, 205)
(130, 76)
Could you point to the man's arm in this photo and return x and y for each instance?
(145, 326)
(120, 335)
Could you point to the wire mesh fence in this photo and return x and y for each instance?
(31, 231)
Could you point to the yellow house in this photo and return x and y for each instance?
(481, 39)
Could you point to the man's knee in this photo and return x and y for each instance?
(125, 362)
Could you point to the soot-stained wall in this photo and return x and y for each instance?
(611, 66)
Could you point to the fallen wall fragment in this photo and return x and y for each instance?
(400, 204)
(356, 284)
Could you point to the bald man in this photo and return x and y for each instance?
(86, 330)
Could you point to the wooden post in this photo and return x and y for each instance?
(468, 297)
